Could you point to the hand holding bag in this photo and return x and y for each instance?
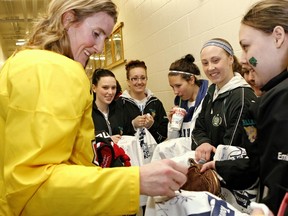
(240, 199)
(197, 181)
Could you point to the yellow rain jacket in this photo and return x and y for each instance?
(46, 156)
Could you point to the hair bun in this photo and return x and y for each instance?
(189, 58)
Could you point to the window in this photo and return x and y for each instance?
(113, 51)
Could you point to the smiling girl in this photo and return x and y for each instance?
(140, 107)
(227, 99)
(104, 113)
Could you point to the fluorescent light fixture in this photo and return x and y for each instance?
(20, 42)
(102, 57)
(97, 57)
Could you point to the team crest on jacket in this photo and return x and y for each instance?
(153, 112)
(216, 120)
(250, 129)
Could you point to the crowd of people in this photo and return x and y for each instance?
(48, 127)
(47, 161)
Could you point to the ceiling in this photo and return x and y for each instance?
(16, 19)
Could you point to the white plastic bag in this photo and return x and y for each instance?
(189, 203)
(147, 143)
(172, 148)
(132, 149)
(140, 149)
(240, 199)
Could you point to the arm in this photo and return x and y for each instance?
(199, 133)
(127, 112)
(243, 173)
(54, 129)
(272, 144)
(240, 174)
(159, 128)
(243, 169)
(236, 108)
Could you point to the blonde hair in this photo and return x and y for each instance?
(49, 32)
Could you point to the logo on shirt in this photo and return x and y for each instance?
(250, 129)
(283, 157)
(152, 112)
(216, 120)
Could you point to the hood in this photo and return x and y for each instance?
(126, 94)
(236, 82)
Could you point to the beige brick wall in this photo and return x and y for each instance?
(161, 31)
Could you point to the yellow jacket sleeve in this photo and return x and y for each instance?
(46, 133)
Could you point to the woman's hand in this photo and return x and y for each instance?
(139, 121)
(207, 166)
(204, 151)
(171, 112)
(143, 121)
(149, 121)
(162, 178)
(260, 209)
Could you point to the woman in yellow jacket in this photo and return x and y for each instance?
(46, 156)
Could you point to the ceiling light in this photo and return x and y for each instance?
(20, 42)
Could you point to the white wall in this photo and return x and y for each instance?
(162, 31)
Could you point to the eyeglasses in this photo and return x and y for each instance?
(135, 79)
